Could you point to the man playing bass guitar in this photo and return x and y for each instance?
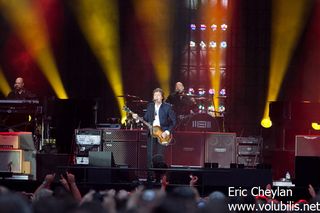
(160, 114)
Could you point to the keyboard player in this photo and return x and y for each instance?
(15, 111)
(20, 92)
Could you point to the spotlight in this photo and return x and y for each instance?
(202, 44)
(211, 108)
(212, 44)
(193, 27)
(221, 108)
(266, 122)
(224, 27)
(201, 108)
(222, 70)
(225, 3)
(190, 91)
(201, 91)
(315, 126)
(203, 27)
(214, 27)
(222, 92)
(223, 44)
(211, 91)
(192, 44)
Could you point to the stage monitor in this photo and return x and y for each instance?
(88, 137)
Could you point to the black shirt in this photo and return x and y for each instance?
(25, 94)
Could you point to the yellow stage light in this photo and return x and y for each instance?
(4, 85)
(266, 122)
(156, 18)
(216, 11)
(315, 126)
(99, 22)
(30, 27)
(288, 20)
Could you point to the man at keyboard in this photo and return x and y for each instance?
(19, 92)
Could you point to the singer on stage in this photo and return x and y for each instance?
(160, 114)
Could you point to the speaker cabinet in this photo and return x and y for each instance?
(124, 153)
(104, 159)
(119, 135)
(188, 149)
(307, 145)
(220, 148)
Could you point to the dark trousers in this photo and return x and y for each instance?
(154, 151)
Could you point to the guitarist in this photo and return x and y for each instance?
(160, 114)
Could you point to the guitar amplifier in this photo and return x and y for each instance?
(119, 135)
(124, 152)
(188, 149)
(88, 137)
(220, 148)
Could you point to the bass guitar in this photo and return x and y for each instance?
(155, 131)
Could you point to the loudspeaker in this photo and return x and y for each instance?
(220, 148)
(104, 159)
(125, 153)
(307, 145)
(111, 135)
(188, 149)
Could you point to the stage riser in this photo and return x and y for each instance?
(207, 177)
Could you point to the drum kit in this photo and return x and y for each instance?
(203, 106)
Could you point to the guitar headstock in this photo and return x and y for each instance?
(125, 108)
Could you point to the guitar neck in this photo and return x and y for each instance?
(139, 118)
(145, 122)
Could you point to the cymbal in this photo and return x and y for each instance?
(221, 96)
(128, 96)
